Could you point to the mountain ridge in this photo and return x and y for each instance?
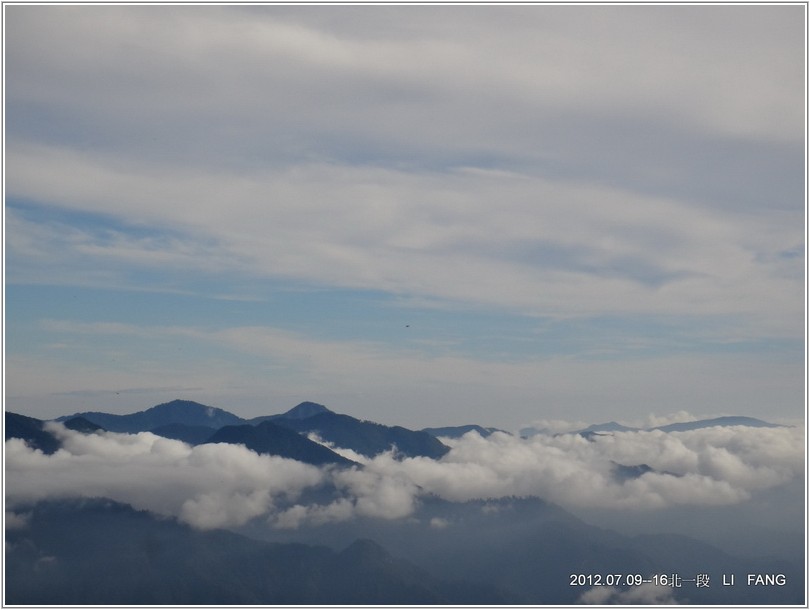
(300, 411)
(728, 420)
(101, 552)
(459, 431)
(186, 412)
(491, 542)
(271, 439)
(612, 426)
(30, 430)
(366, 438)
(191, 413)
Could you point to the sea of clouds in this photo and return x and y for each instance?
(223, 485)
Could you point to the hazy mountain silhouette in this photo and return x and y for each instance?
(98, 552)
(622, 472)
(195, 423)
(528, 548)
(185, 412)
(268, 438)
(364, 437)
(193, 435)
(459, 431)
(31, 431)
(80, 424)
(299, 411)
(610, 426)
(733, 420)
(189, 421)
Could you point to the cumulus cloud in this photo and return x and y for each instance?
(206, 486)
(366, 494)
(720, 465)
(379, 494)
(220, 485)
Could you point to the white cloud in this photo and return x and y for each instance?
(220, 485)
(379, 495)
(206, 486)
(553, 166)
(394, 58)
(349, 454)
(713, 466)
(435, 235)
(522, 239)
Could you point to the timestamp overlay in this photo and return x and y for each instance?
(676, 580)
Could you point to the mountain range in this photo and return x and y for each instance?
(612, 426)
(185, 412)
(185, 418)
(196, 423)
(488, 551)
(99, 552)
(268, 438)
(515, 551)
(529, 547)
(30, 430)
(459, 431)
(365, 437)
(289, 434)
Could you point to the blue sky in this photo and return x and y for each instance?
(419, 215)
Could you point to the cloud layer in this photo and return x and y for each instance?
(222, 485)
(423, 174)
(599, 182)
(704, 467)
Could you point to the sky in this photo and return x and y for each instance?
(417, 215)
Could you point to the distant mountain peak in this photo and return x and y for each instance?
(364, 437)
(727, 420)
(304, 410)
(30, 430)
(733, 420)
(178, 406)
(80, 424)
(272, 439)
(185, 412)
(367, 550)
(610, 426)
(459, 431)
